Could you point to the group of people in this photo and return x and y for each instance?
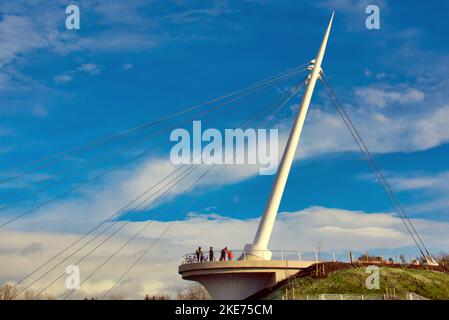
(225, 254)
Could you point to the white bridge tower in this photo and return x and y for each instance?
(259, 248)
(255, 270)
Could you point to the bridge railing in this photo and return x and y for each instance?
(276, 255)
(317, 256)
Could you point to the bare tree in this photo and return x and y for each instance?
(156, 297)
(318, 248)
(443, 258)
(193, 292)
(30, 295)
(366, 258)
(7, 292)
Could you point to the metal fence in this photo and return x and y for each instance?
(241, 255)
(300, 255)
(404, 296)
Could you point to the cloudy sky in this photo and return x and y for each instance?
(135, 61)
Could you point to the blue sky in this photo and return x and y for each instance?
(135, 61)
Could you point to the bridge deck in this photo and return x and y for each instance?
(242, 266)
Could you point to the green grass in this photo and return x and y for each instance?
(429, 284)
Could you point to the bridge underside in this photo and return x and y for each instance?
(237, 280)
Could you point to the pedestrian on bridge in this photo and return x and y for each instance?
(230, 255)
(199, 255)
(223, 254)
(211, 254)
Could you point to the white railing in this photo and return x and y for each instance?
(292, 294)
(299, 255)
(276, 255)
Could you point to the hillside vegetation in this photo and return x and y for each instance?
(341, 279)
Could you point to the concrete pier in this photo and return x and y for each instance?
(229, 280)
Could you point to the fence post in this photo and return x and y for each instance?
(299, 255)
(350, 257)
(333, 255)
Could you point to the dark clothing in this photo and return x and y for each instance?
(223, 255)
(199, 255)
(211, 255)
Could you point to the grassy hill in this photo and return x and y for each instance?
(349, 279)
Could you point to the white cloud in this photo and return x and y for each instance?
(33, 248)
(67, 76)
(432, 130)
(325, 132)
(433, 186)
(26, 27)
(423, 181)
(101, 200)
(195, 15)
(338, 230)
(24, 183)
(63, 78)
(19, 35)
(13, 80)
(384, 75)
(127, 66)
(384, 97)
(90, 68)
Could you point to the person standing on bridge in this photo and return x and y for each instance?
(230, 255)
(211, 254)
(223, 253)
(199, 254)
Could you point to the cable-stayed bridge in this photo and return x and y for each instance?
(254, 269)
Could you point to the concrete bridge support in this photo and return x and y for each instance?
(236, 280)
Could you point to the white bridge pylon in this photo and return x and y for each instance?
(254, 270)
(259, 248)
